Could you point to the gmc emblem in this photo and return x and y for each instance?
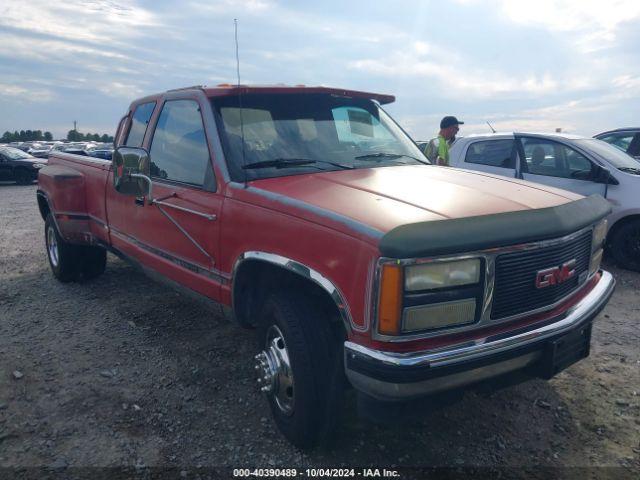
(556, 275)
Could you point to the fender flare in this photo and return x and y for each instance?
(303, 271)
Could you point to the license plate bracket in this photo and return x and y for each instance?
(565, 351)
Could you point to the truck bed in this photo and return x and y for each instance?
(65, 183)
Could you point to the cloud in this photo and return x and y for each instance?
(51, 51)
(224, 6)
(96, 21)
(25, 94)
(456, 75)
(593, 21)
(118, 89)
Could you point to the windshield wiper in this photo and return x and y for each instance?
(291, 163)
(635, 171)
(380, 155)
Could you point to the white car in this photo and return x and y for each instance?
(578, 164)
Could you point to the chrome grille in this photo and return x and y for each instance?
(515, 291)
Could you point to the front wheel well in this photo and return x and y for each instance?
(619, 224)
(255, 280)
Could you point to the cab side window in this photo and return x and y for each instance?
(139, 123)
(494, 153)
(553, 159)
(179, 150)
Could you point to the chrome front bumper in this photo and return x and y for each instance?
(398, 376)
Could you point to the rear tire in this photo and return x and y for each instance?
(64, 259)
(624, 246)
(306, 395)
(71, 262)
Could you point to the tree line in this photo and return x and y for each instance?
(38, 135)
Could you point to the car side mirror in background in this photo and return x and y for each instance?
(131, 168)
(604, 176)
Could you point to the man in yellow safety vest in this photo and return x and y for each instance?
(437, 150)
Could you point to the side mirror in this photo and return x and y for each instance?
(131, 171)
(604, 176)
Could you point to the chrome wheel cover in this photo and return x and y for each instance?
(52, 246)
(275, 376)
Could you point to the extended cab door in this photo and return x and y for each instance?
(177, 236)
(558, 165)
(497, 156)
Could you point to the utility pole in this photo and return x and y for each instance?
(75, 126)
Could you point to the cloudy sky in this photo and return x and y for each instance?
(523, 65)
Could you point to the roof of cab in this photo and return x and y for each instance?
(226, 89)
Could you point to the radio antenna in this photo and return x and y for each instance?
(235, 23)
(492, 129)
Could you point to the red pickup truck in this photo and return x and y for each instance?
(310, 213)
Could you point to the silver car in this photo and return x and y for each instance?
(578, 164)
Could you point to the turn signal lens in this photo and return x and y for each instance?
(390, 304)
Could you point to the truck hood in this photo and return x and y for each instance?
(380, 199)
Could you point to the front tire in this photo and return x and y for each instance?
(624, 246)
(300, 368)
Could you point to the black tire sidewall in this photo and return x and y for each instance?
(313, 356)
(620, 249)
(67, 268)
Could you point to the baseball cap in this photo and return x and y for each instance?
(449, 121)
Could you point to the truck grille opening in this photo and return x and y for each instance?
(515, 289)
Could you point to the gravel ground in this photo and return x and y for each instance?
(122, 371)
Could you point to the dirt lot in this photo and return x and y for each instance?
(124, 372)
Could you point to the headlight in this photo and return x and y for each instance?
(38, 166)
(599, 234)
(442, 274)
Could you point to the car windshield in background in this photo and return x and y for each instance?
(615, 156)
(289, 134)
(14, 153)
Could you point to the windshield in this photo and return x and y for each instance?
(288, 134)
(14, 153)
(616, 157)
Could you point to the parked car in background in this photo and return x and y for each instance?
(103, 151)
(19, 166)
(422, 144)
(626, 139)
(578, 164)
(40, 151)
